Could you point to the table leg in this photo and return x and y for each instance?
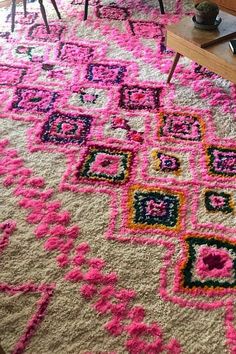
(24, 6)
(13, 15)
(161, 7)
(175, 62)
(56, 8)
(86, 9)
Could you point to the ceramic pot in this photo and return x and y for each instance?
(206, 17)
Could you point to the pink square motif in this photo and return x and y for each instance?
(146, 29)
(106, 74)
(67, 128)
(112, 12)
(214, 263)
(138, 97)
(33, 99)
(29, 19)
(217, 201)
(142, 97)
(106, 164)
(74, 53)
(224, 161)
(101, 72)
(39, 32)
(186, 127)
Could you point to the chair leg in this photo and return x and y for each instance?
(43, 12)
(56, 8)
(161, 7)
(86, 9)
(13, 15)
(24, 6)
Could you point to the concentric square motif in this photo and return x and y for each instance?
(218, 201)
(106, 164)
(28, 53)
(112, 12)
(221, 161)
(165, 162)
(29, 19)
(106, 74)
(33, 100)
(89, 97)
(138, 97)
(210, 265)
(146, 29)
(74, 53)
(11, 75)
(39, 32)
(213, 208)
(66, 128)
(154, 208)
(183, 126)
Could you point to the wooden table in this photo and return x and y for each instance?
(185, 40)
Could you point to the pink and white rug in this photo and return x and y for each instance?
(118, 191)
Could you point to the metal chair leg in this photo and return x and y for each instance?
(43, 12)
(13, 15)
(86, 9)
(24, 6)
(161, 7)
(56, 8)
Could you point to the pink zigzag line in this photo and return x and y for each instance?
(7, 227)
(96, 282)
(46, 291)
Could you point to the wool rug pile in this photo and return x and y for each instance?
(118, 191)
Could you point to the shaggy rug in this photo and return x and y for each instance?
(118, 191)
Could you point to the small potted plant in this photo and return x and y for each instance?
(206, 12)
